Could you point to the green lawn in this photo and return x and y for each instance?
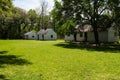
(56, 60)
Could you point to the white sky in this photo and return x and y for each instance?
(32, 4)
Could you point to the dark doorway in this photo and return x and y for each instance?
(51, 36)
(43, 36)
(75, 34)
(38, 37)
(86, 37)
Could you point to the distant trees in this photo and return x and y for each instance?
(43, 12)
(94, 12)
(33, 17)
(5, 16)
(20, 22)
(57, 17)
(44, 17)
(14, 21)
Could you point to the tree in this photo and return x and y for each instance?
(12, 24)
(115, 11)
(5, 6)
(90, 12)
(57, 17)
(33, 17)
(43, 14)
(5, 11)
(21, 21)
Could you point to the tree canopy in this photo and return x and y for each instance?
(5, 6)
(92, 12)
(14, 21)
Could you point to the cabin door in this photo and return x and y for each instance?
(86, 37)
(43, 36)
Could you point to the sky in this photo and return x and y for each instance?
(32, 4)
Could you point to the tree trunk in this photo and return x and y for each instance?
(95, 22)
(75, 39)
(96, 36)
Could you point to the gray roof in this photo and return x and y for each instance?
(43, 31)
(86, 28)
(29, 32)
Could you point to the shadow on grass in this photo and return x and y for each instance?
(3, 52)
(110, 48)
(3, 77)
(10, 60)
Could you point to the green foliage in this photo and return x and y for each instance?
(68, 26)
(11, 24)
(33, 17)
(20, 22)
(5, 6)
(14, 21)
(88, 11)
(56, 60)
(57, 17)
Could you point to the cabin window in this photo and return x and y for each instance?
(81, 34)
(51, 36)
(33, 36)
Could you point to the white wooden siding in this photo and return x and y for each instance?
(69, 38)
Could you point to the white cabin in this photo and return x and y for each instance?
(30, 35)
(48, 34)
(109, 35)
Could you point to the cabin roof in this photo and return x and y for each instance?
(43, 31)
(85, 28)
(88, 28)
(29, 33)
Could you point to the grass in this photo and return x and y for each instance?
(56, 60)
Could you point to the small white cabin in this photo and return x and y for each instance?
(30, 35)
(48, 34)
(109, 35)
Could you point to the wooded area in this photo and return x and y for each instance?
(14, 21)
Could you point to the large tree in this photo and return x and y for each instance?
(88, 11)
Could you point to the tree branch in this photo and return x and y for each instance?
(102, 11)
